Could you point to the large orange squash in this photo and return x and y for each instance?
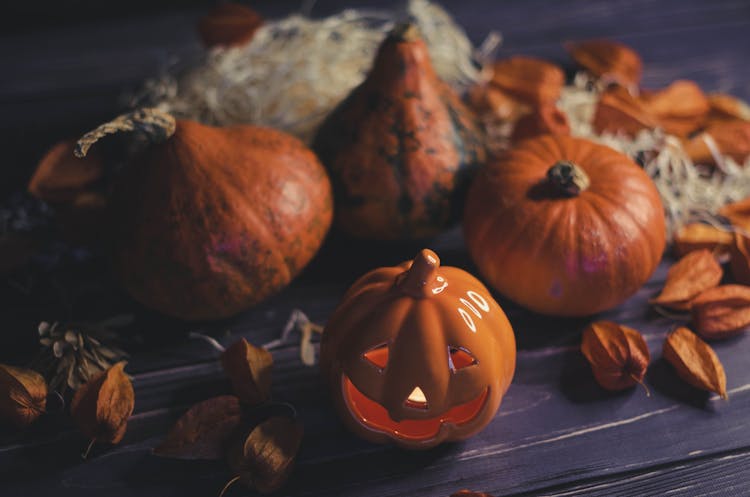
(564, 226)
(418, 354)
(213, 220)
(401, 148)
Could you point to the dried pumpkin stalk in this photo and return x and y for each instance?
(23, 395)
(687, 278)
(249, 370)
(204, 431)
(695, 361)
(697, 236)
(618, 355)
(102, 406)
(722, 311)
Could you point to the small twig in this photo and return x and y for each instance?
(640, 382)
(210, 340)
(85, 454)
(229, 484)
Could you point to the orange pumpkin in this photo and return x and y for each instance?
(213, 220)
(417, 354)
(401, 148)
(564, 226)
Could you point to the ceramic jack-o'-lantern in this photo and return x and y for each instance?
(418, 354)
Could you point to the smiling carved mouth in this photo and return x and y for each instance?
(376, 417)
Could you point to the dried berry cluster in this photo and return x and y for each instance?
(261, 455)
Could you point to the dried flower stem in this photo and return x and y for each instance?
(85, 453)
(640, 382)
(229, 484)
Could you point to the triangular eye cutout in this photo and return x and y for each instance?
(459, 358)
(416, 399)
(377, 356)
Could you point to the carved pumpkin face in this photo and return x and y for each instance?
(417, 354)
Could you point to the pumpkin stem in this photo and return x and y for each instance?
(417, 280)
(157, 125)
(405, 31)
(568, 178)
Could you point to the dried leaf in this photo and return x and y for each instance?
(101, 407)
(546, 119)
(249, 369)
(491, 102)
(229, 24)
(731, 136)
(680, 108)
(697, 236)
(722, 311)
(687, 278)
(738, 213)
(608, 60)
(62, 177)
(23, 395)
(618, 355)
(617, 111)
(204, 431)
(264, 458)
(529, 79)
(725, 106)
(695, 361)
(739, 258)
(470, 493)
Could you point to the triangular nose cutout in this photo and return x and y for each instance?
(416, 399)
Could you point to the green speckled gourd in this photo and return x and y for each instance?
(401, 148)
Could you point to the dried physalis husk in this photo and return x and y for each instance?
(264, 458)
(470, 493)
(738, 213)
(608, 60)
(618, 355)
(546, 119)
(722, 311)
(249, 369)
(687, 278)
(739, 258)
(697, 236)
(529, 79)
(731, 136)
(229, 24)
(101, 407)
(617, 111)
(681, 108)
(61, 177)
(491, 102)
(23, 395)
(725, 106)
(204, 431)
(695, 361)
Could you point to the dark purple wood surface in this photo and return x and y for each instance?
(557, 432)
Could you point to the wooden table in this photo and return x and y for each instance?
(557, 433)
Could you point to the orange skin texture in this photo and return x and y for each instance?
(560, 255)
(401, 149)
(418, 331)
(215, 220)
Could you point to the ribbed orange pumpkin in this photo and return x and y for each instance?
(213, 220)
(401, 148)
(564, 226)
(418, 354)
